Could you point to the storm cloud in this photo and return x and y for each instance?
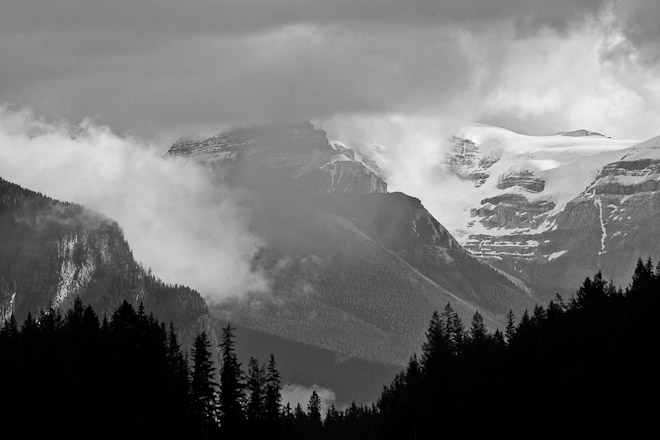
(160, 69)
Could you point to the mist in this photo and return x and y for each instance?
(185, 228)
(294, 394)
(411, 153)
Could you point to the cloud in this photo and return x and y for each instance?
(188, 230)
(156, 19)
(411, 152)
(299, 394)
(544, 84)
(159, 69)
(637, 20)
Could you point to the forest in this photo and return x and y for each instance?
(579, 367)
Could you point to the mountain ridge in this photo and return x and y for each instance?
(550, 225)
(343, 276)
(53, 251)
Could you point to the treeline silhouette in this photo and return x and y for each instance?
(585, 367)
(579, 368)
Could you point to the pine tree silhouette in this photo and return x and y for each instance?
(203, 387)
(231, 386)
(255, 410)
(273, 398)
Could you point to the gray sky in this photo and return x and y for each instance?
(163, 68)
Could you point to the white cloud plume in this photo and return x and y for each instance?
(188, 230)
(411, 151)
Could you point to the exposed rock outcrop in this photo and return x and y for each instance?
(296, 152)
(512, 211)
(557, 207)
(465, 162)
(524, 179)
(580, 133)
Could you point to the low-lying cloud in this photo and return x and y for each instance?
(188, 230)
(295, 394)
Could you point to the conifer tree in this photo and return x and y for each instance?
(478, 328)
(231, 386)
(299, 421)
(203, 387)
(273, 395)
(174, 355)
(179, 376)
(453, 328)
(74, 315)
(642, 276)
(314, 412)
(510, 326)
(288, 421)
(256, 388)
(435, 346)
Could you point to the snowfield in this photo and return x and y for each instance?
(566, 164)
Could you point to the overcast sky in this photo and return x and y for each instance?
(162, 68)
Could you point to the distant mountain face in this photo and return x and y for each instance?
(52, 251)
(550, 209)
(297, 153)
(354, 269)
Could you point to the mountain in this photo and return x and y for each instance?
(353, 269)
(548, 209)
(52, 251)
(294, 152)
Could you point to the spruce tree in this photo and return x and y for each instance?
(256, 388)
(510, 326)
(273, 395)
(203, 387)
(453, 328)
(178, 378)
(478, 328)
(231, 386)
(435, 347)
(299, 422)
(642, 276)
(314, 413)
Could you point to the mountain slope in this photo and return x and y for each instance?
(549, 209)
(51, 251)
(354, 269)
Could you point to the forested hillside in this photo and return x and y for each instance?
(53, 251)
(582, 367)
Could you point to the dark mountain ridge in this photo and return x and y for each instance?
(53, 251)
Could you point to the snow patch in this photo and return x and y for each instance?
(603, 236)
(554, 255)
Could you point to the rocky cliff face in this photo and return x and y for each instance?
(580, 133)
(465, 161)
(296, 152)
(627, 177)
(524, 179)
(52, 251)
(557, 209)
